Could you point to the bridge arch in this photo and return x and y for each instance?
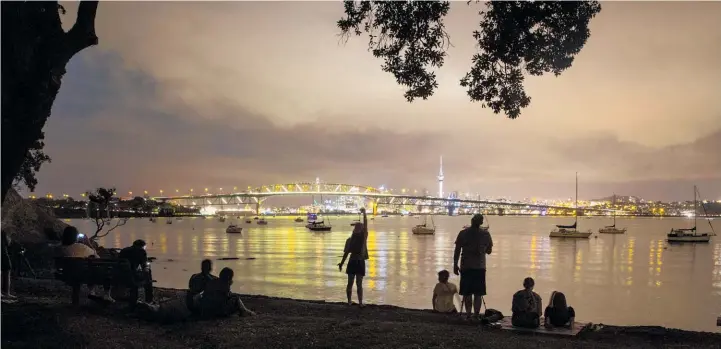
(314, 188)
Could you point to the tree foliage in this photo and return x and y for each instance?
(34, 159)
(513, 37)
(100, 205)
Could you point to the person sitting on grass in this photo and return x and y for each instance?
(197, 285)
(218, 300)
(74, 249)
(526, 306)
(443, 294)
(558, 313)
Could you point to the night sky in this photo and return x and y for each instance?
(195, 95)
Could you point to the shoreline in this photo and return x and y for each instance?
(83, 215)
(285, 322)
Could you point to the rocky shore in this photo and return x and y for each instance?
(43, 318)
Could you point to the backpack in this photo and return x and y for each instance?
(491, 316)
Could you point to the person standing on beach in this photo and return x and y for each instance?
(472, 246)
(357, 246)
(6, 267)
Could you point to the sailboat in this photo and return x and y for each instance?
(690, 234)
(424, 229)
(611, 229)
(233, 229)
(570, 231)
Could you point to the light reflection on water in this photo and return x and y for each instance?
(607, 279)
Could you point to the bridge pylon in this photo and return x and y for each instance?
(374, 204)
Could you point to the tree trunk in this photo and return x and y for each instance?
(35, 51)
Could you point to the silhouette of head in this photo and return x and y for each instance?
(528, 283)
(70, 235)
(477, 220)
(206, 266)
(139, 243)
(558, 300)
(226, 275)
(443, 276)
(357, 228)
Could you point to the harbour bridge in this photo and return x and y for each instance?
(376, 197)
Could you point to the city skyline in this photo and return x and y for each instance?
(272, 101)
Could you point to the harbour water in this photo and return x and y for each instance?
(630, 279)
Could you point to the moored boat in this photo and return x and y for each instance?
(318, 226)
(571, 231)
(233, 229)
(691, 234)
(424, 229)
(612, 229)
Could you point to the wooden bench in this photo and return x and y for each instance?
(98, 271)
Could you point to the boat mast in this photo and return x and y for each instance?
(614, 209)
(694, 208)
(575, 205)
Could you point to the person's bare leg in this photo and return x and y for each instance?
(349, 288)
(467, 302)
(6, 284)
(477, 302)
(359, 288)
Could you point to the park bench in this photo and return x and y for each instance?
(98, 271)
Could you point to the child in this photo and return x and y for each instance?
(443, 294)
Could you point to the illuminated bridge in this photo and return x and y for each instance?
(376, 197)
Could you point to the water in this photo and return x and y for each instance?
(631, 279)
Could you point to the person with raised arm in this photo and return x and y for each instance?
(357, 247)
(472, 246)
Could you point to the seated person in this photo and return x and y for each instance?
(72, 248)
(558, 313)
(526, 306)
(217, 300)
(197, 285)
(138, 259)
(443, 294)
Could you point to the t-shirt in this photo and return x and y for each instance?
(78, 250)
(526, 302)
(444, 297)
(474, 244)
(558, 317)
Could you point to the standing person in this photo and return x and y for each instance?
(472, 246)
(138, 258)
(6, 267)
(357, 246)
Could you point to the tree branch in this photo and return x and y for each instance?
(82, 34)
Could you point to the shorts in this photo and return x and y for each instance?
(356, 267)
(473, 282)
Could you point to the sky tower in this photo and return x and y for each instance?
(440, 179)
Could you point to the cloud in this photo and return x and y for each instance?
(190, 95)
